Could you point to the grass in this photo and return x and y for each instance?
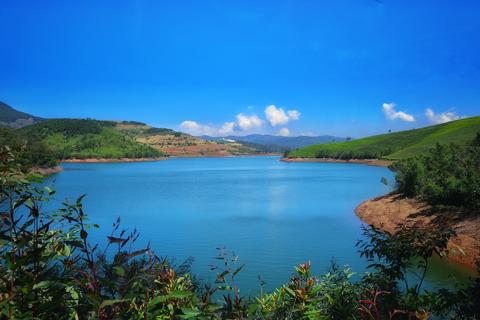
(397, 145)
(84, 138)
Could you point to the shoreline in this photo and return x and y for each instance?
(126, 160)
(229, 156)
(388, 211)
(46, 171)
(370, 162)
(106, 160)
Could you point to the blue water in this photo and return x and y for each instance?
(274, 215)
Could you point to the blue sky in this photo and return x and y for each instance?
(340, 67)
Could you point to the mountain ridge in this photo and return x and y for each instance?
(274, 143)
(13, 118)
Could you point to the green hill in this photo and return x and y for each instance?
(395, 146)
(87, 138)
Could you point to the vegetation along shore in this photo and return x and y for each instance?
(371, 162)
(107, 160)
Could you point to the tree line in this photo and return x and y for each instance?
(446, 175)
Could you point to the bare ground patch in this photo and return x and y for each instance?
(388, 211)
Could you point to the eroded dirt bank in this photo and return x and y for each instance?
(388, 211)
(46, 171)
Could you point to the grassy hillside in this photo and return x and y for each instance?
(394, 146)
(85, 138)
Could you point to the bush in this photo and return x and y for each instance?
(30, 150)
(446, 175)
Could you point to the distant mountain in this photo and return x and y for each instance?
(397, 145)
(271, 143)
(12, 118)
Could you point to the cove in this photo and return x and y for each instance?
(274, 215)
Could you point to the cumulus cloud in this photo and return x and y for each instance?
(277, 116)
(293, 114)
(441, 117)
(284, 132)
(392, 114)
(243, 123)
(227, 128)
(246, 123)
(196, 129)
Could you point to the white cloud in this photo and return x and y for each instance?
(293, 114)
(196, 129)
(277, 116)
(246, 123)
(284, 132)
(392, 114)
(227, 128)
(243, 123)
(441, 117)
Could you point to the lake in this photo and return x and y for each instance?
(274, 215)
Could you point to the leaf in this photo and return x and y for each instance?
(172, 295)
(79, 200)
(42, 284)
(115, 240)
(177, 294)
(49, 190)
(67, 251)
(137, 253)
(290, 291)
(119, 271)
(253, 307)
(238, 269)
(158, 299)
(106, 303)
(329, 298)
(189, 313)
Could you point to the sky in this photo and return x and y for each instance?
(345, 68)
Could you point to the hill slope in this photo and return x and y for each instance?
(12, 118)
(397, 145)
(87, 138)
(182, 145)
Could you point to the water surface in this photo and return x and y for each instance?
(274, 215)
